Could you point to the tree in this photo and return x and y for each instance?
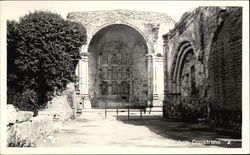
(43, 51)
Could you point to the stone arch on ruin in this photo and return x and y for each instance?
(150, 26)
(95, 31)
(183, 50)
(130, 82)
(117, 57)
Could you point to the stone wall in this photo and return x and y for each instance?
(132, 29)
(225, 70)
(203, 66)
(29, 132)
(148, 23)
(24, 130)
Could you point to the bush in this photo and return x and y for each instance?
(26, 100)
(43, 51)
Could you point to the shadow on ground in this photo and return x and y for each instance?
(180, 131)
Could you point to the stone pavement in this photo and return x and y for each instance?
(93, 130)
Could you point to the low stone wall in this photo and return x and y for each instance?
(24, 130)
(31, 130)
(28, 133)
(17, 117)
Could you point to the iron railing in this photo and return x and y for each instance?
(141, 110)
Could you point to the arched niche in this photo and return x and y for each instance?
(117, 65)
(187, 75)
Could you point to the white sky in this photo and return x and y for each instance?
(16, 9)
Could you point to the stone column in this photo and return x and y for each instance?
(84, 79)
(165, 64)
(155, 80)
(160, 79)
(152, 79)
(166, 77)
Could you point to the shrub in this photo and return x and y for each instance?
(26, 100)
(43, 51)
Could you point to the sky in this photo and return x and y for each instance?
(175, 9)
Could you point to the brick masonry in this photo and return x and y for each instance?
(225, 70)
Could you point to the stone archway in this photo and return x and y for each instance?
(181, 75)
(185, 86)
(117, 67)
(150, 26)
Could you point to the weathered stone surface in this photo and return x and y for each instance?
(64, 105)
(203, 72)
(138, 33)
(24, 116)
(224, 63)
(12, 114)
(15, 116)
(28, 133)
(117, 56)
(144, 21)
(25, 130)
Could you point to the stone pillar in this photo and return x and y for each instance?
(160, 79)
(166, 76)
(152, 80)
(84, 79)
(155, 80)
(77, 88)
(165, 64)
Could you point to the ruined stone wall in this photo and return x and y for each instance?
(202, 56)
(225, 71)
(150, 25)
(24, 130)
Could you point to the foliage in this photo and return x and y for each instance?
(43, 51)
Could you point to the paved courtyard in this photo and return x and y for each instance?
(151, 131)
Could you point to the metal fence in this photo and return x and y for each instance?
(140, 110)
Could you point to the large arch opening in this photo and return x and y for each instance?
(117, 67)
